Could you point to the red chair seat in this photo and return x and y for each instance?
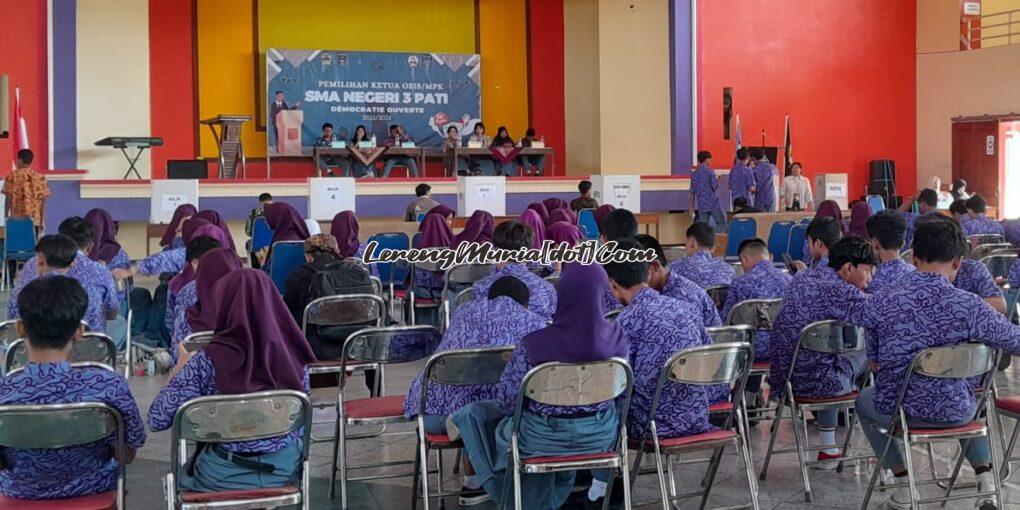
(1008, 404)
(761, 365)
(382, 407)
(102, 501)
(849, 397)
(692, 442)
(440, 441)
(962, 429)
(721, 407)
(418, 301)
(571, 458)
(209, 497)
(334, 363)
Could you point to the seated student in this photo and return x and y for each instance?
(481, 164)
(256, 346)
(172, 235)
(671, 284)
(823, 293)
(538, 160)
(422, 203)
(435, 233)
(182, 287)
(614, 224)
(451, 142)
(826, 209)
(325, 162)
(699, 265)
(822, 234)
(977, 222)
(740, 206)
(51, 310)
(503, 140)
(249, 225)
(214, 217)
(886, 230)
(958, 210)
(287, 225)
(195, 310)
(359, 169)
(345, 229)
(927, 202)
(478, 229)
(894, 338)
(398, 137)
(106, 250)
(585, 201)
(578, 333)
(514, 235)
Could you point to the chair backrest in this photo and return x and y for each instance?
(613, 314)
(806, 220)
(830, 336)
(427, 265)
(907, 256)
(344, 310)
(197, 341)
(415, 238)
(722, 363)
(392, 241)
(730, 334)
(261, 234)
(876, 202)
(554, 279)
(586, 221)
(718, 294)
(983, 250)
(576, 384)
(464, 367)
(392, 344)
(463, 297)
(94, 349)
(979, 239)
(9, 332)
(798, 234)
(956, 362)
(421, 217)
(739, 230)
(55, 426)
(286, 257)
(779, 239)
(999, 265)
(676, 252)
(19, 235)
(467, 274)
(245, 417)
(758, 314)
(1006, 251)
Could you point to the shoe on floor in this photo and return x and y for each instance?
(895, 503)
(828, 466)
(985, 483)
(472, 497)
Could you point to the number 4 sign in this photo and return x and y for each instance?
(328, 196)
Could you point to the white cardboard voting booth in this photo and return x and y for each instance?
(485, 193)
(833, 187)
(328, 196)
(168, 194)
(621, 191)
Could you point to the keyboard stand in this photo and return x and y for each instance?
(131, 161)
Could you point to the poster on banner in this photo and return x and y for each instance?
(425, 92)
(168, 195)
(328, 196)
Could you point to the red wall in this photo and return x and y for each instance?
(545, 41)
(171, 81)
(844, 71)
(23, 59)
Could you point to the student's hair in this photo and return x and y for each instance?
(79, 230)
(451, 127)
(26, 156)
(653, 244)
(888, 228)
(704, 156)
(58, 249)
(627, 274)
(422, 190)
(394, 126)
(796, 164)
(619, 223)
(854, 250)
(512, 288)
(512, 235)
(354, 137)
(977, 204)
(278, 92)
(584, 187)
(757, 153)
(959, 184)
(928, 197)
(479, 125)
(938, 239)
(327, 125)
(265, 197)
(703, 233)
(51, 311)
(739, 203)
(826, 230)
(529, 132)
(502, 129)
(199, 246)
(958, 206)
(742, 153)
(753, 245)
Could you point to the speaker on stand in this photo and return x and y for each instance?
(882, 181)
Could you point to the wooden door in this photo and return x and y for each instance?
(974, 161)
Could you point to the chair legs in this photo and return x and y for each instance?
(801, 444)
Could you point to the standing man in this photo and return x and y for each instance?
(703, 187)
(26, 191)
(764, 194)
(423, 203)
(742, 178)
(277, 106)
(796, 193)
(397, 137)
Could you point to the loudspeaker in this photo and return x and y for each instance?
(882, 179)
(187, 169)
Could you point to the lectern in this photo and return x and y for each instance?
(288, 132)
(228, 139)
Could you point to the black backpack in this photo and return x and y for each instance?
(338, 277)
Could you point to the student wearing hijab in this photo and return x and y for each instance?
(172, 235)
(435, 233)
(256, 346)
(563, 215)
(578, 334)
(553, 203)
(859, 214)
(344, 230)
(287, 225)
(444, 212)
(195, 310)
(533, 220)
(563, 232)
(541, 209)
(478, 229)
(502, 139)
(105, 247)
(214, 217)
(513, 235)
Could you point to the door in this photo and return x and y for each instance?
(976, 157)
(1009, 131)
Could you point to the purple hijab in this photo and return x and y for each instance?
(531, 218)
(187, 274)
(559, 215)
(435, 232)
(443, 211)
(104, 235)
(601, 213)
(859, 215)
(214, 217)
(539, 208)
(830, 209)
(479, 229)
(563, 232)
(213, 266)
(256, 344)
(286, 222)
(345, 229)
(182, 211)
(578, 332)
(190, 227)
(553, 203)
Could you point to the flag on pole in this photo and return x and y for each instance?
(787, 148)
(740, 145)
(19, 138)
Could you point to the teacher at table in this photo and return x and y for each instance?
(795, 193)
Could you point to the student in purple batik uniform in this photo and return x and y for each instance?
(195, 311)
(514, 235)
(51, 312)
(978, 222)
(614, 224)
(704, 201)
(927, 202)
(742, 177)
(345, 229)
(822, 234)
(435, 233)
(398, 136)
(172, 235)
(256, 346)
(886, 230)
(671, 284)
(764, 192)
(898, 328)
(824, 293)
(699, 265)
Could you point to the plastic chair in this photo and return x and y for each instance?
(463, 367)
(197, 341)
(285, 257)
(572, 385)
(221, 419)
(718, 293)
(798, 234)
(722, 363)
(19, 243)
(421, 217)
(261, 235)
(383, 346)
(54, 426)
(779, 239)
(957, 362)
(457, 279)
(94, 349)
(740, 230)
(806, 220)
(876, 202)
(983, 250)
(388, 273)
(829, 337)
(586, 221)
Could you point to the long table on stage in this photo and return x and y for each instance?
(463, 152)
(417, 153)
(421, 153)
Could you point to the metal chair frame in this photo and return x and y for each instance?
(907, 256)
(197, 341)
(998, 265)
(458, 279)
(981, 239)
(17, 354)
(413, 300)
(462, 297)
(984, 250)
(128, 284)
(763, 316)
(718, 294)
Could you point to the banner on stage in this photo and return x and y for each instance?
(424, 92)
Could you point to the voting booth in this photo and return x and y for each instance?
(833, 187)
(328, 196)
(485, 193)
(168, 194)
(620, 191)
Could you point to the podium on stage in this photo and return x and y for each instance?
(288, 132)
(228, 139)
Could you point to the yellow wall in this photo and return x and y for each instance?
(581, 85)
(1000, 6)
(503, 28)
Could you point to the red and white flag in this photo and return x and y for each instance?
(19, 138)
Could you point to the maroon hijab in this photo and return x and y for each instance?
(563, 232)
(559, 215)
(553, 203)
(213, 266)
(286, 222)
(188, 273)
(601, 213)
(578, 332)
(531, 218)
(190, 227)
(104, 235)
(859, 215)
(256, 344)
(540, 208)
(345, 229)
(479, 229)
(435, 232)
(214, 217)
(830, 209)
(443, 211)
(182, 211)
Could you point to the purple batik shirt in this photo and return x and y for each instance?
(819, 294)
(682, 289)
(911, 219)
(610, 303)
(888, 274)
(763, 281)
(93, 277)
(974, 277)
(185, 298)
(983, 225)
(74, 471)
(1014, 274)
(119, 261)
(703, 269)
(1012, 231)
(478, 324)
(167, 261)
(197, 378)
(925, 311)
(741, 182)
(765, 196)
(704, 184)
(542, 299)
(658, 328)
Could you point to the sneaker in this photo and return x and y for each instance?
(985, 483)
(900, 500)
(830, 465)
(472, 497)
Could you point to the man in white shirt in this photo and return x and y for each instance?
(795, 193)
